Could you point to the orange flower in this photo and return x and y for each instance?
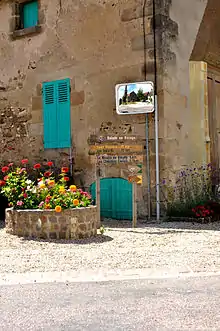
(66, 178)
(73, 188)
(64, 169)
(51, 182)
(58, 209)
(75, 202)
(48, 206)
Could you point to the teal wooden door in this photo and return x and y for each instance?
(115, 198)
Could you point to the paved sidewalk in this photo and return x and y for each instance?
(182, 247)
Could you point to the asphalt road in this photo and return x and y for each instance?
(171, 304)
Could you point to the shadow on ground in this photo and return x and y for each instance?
(98, 239)
(163, 227)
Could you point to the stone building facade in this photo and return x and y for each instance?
(97, 44)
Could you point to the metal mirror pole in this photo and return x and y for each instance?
(134, 205)
(157, 161)
(148, 169)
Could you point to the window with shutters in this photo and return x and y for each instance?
(25, 17)
(56, 114)
(29, 14)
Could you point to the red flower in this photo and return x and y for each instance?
(5, 169)
(66, 178)
(197, 215)
(50, 163)
(24, 161)
(37, 166)
(64, 169)
(47, 174)
(25, 195)
(2, 183)
(10, 164)
(6, 178)
(48, 198)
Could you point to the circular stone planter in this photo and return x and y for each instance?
(75, 223)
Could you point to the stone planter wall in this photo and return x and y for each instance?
(48, 224)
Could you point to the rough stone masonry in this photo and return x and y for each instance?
(69, 224)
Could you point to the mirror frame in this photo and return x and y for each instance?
(130, 112)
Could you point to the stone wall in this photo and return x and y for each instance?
(69, 224)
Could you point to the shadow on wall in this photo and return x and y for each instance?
(3, 206)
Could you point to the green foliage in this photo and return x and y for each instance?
(102, 229)
(19, 189)
(140, 94)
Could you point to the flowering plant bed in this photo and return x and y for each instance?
(43, 206)
(191, 194)
(26, 189)
(207, 212)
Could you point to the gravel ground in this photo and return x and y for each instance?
(164, 245)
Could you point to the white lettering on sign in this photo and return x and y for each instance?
(129, 138)
(113, 138)
(117, 158)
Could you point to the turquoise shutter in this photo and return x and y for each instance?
(63, 113)
(30, 14)
(50, 115)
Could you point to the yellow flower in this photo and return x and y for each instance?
(73, 188)
(42, 185)
(75, 202)
(62, 189)
(58, 209)
(51, 182)
(47, 206)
